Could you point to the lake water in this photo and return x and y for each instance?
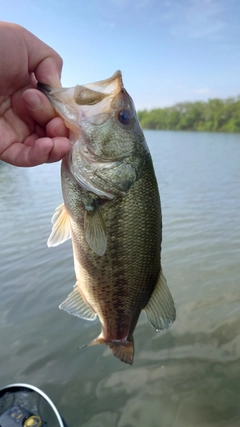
(188, 376)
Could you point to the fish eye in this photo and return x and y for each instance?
(125, 117)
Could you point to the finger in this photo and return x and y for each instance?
(43, 61)
(31, 154)
(38, 106)
(60, 147)
(36, 151)
(42, 112)
(56, 127)
(49, 71)
(45, 150)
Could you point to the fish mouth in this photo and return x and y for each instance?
(88, 94)
(92, 102)
(113, 85)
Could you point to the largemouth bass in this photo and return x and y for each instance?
(112, 212)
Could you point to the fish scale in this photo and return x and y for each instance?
(112, 212)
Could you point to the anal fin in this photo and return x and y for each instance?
(77, 306)
(160, 308)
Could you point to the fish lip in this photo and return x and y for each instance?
(101, 84)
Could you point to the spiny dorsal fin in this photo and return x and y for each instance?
(61, 230)
(76, 305)
(160, 308)
(95, 230)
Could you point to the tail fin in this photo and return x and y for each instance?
(124, 350)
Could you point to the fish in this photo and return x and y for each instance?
(112, 213)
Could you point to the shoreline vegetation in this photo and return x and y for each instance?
(215, 115)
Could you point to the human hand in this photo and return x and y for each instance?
(30, 132)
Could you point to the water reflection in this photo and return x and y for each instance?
(188, 376)
(179, 393)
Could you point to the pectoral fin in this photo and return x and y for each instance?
(95, 230)
(61, 230)
(76, 305)
(160, 309)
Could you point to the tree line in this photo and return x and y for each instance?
(215, 115)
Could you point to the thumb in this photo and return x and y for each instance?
(43, 61)
(48, 70)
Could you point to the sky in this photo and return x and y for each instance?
(169, 51)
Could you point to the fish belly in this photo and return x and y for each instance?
(118, 284)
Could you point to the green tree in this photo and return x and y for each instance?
(214, 115)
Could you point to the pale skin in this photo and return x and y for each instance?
(30, 132)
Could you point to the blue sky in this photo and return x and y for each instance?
(169, 51)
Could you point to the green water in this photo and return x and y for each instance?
(185, 377)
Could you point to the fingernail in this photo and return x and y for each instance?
(32, 99)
